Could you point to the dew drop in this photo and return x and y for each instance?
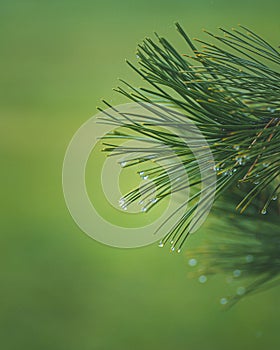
(145, 177)
(123, 164)
(161, 244)
(192, 262)
(216, 168)
(240, 290)
(172, 249)
(270, 109)
(151, 156)
(202, 279)
(223, 301)
(263, 211)
(124, 207)
(241, 161)
(249, 258)
(236, 273)
(153, 200)
(121, 202)
(141, 173)
(178, 250)
(236, 147)
(274, 198)
(144, 209)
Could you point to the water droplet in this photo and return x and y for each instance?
(178, 250)
(172, 249)
(274, 198)
(263, 211)
(249, 258)
(144, 209)
(123, 164)
(236, 147)
(223, 301)
(153, 200)
(240, 290)
(192, 262)
(151, 156)
(216, 168)
(121, 202)
(241, 161)
(236, 273)
(202, 279)
(171, 242)
(141, 202)
(161, 244)
(143, 176)
(271, 109)
(265, 165)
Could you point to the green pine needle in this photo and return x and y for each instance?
(230, 90)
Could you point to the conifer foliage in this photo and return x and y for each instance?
(229, 87)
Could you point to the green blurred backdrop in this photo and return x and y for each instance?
(59, 288)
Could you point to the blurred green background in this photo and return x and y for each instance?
(59, 288)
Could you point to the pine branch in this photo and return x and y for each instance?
(245, 248)
(231, 92)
